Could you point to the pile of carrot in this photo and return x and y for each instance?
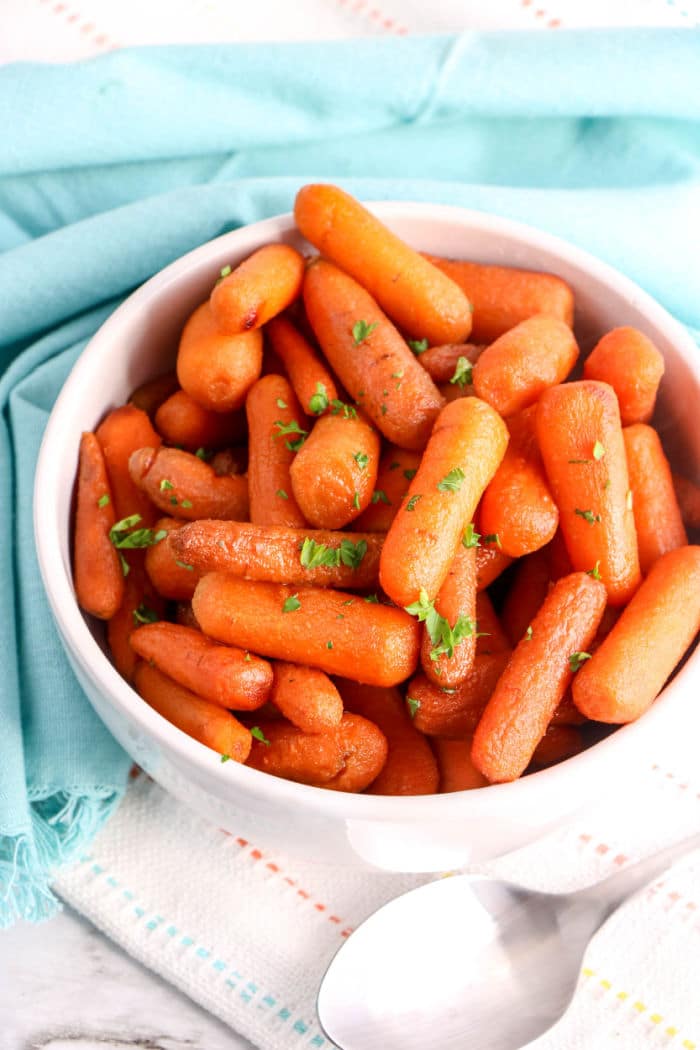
(372, 535)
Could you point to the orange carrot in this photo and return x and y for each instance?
(397, 468)
(151, 395)
(491, 637)
(120, 433)
(97, 574)
(465, 448)
(333, 630)
(490, 563)
(313, 384)
(447, 654)
(306, 696)
(580, 437)
(258, 289)
(557, 556)
(437, 711)
(230, 461)
(451, 363)
(688, 496)
(557, 744)
(567, 713)
(370, 357)
(186, 487)
(141, 604)
(633, 367)
(537, 676)
(184, 422)
(170, 575)
(184, 615)
(457, 771)
(216, 369)
(624, 675)
(364, 748)
(284, 750)
(413, 292)
(525, 595)
(226, 676)
(513, 372)
(657, 516)
(208, 723)
(275, 425)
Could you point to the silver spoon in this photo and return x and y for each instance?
(469, 961)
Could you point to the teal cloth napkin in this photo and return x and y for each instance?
(113, 167)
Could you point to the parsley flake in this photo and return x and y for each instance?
(528, 634)
(452, 482)
(395, 465)
(361, 331)
(411, 505)
(143, 614)
(356, 501)
(595, 571)
(224, 272)
(348, 553)
(186, 503)
(380, 496)
(372, 599)
(418, 346)
(103, 500)
(204, 454)
(166, 485)
(493, 537)
(123, 539)
(413, 705)
(362, 459)
(410, 474)
(258, 734)
(588, 516)
(471, 537)
(282, 494)
(225, 758)
(339, 408)
(577, 659)
(329, 645)
(281, 404)
(291, 604)
(463, 373)
(185, 565)
(291, 428)
(598, 450)
(318, 402)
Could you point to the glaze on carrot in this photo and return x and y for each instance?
(457, 771)
(183, 422)
(397, 468)
(184, 486)
(97, 573)
(171, 576)
(627, 360)
(121, 433)
(448, 661)
(312, 382)
(306, 696)
(258, 289)
(276, 427)
(216, 369)
(657, 516)
(437, 711)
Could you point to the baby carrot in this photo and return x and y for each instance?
(451, 363)
(185, 616)
(208, 723)
(259, 288)
(526, 594)
(657, 516)
(171, 576)
(465, 448)
(503, 296)
(537, 676)
(141, 604)
(557, 556)
(457, 771)
(97, 573)
(182, 421)
(276, 429)
(580, 437)
(688, 496)
(491, 638)
(557, 744)
(490, 563)
(410, 767)
(633, 367)
(438, 711)
(370, 357)
(279, 555)
(284, 750)
(216, 369)
(364, 748)
(631, 665)
(513, 372)
(447, 654)
(334, 472)
(120, 433)
(313, 384)
(397, 468)
(414, 293)
(229, 461)
(306, 696)
(151, 395)
(186, 487)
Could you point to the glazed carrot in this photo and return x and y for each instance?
(276, 426)
(364, 748)
(260, 287)
(397, 468)
(448, 660)
(633, 367)
(517, 505)
(280, 555)
(334, 472)
(580, 437)
(182, 421)
(230, 461)
(414, 293)
(557, 744)
(437, 711)
(537, 676)
(151, 395)
(451, 362)
(120, 433)
(184, 615)
(226, 676)
(186, 487)
(525, 595)
(333, 630)
(217, 370)
(558, 558)
(491, 637)
(410, 767)
(513, 372)
(313, 384)
(141, 604)
(657, 516)
(97, 574)
(688, 496)
(457, 771)
(465, 448)
(632, 664)
(208, 723)
(370, 357)
(567, 713)
(490, 563)
(171, 576)
(284, 750)
(503, 296)
(306, 696)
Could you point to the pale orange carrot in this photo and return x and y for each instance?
(183, 422)
(151, 394)
(491, 637)
(259, 288)
(216, 369)
(657, 516)
(627, 360)
(457, 771)
(276, 430)
(121, 433)
(306, 696)
(97, 574)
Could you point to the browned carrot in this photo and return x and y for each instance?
(633, 367)
(184, 615)
(313, 384)
(230, 461)
(397, 468)
(364, 748)
(141, 604)
(490, 563)
(629, 669)
(184, 422)
(447, 655)
(558, 558)
(120, 433)
(208, 723)
(260, 287)
(451, 363)
(526, 594)
(491, 637)
(557, 744)
(97, 574)
(276, 427)
(437, 711)
(537, 676)
(284, 750)
(370, 357)
(568, 714)
(336, 631)
(657, 516)
(151, 395)
(688, 496)
(306, 696)
(216, 369)
(170, 575)
(457, 771)
(413, 292)
(186, 487)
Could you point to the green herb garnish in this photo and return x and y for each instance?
(361, 330)
(452, 482)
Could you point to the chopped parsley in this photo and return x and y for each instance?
(463, 373)
(444, 637)
(186, 503)
(329, 645)
(410, 474)
(282, 494)
(413, 705)
(577, 659)
(411, 505)
(348, 553)
(372, 599)
(103, 501)
(291, 428)
(588, 516)
(362, 459)
(184, 565)
(598, 450)
(494, 538)
(418, 346)
(318, 402)
(452, 482)
(471, 537)
(225, 758)
(204, 454)
(281, 404)
(142, 614)
(291, 604)
(258, 734)
(380, 496)
(595, 571)
(339, 408)
(361, 331)
(528, 634)
(166, 485)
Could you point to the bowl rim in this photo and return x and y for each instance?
(494, 799)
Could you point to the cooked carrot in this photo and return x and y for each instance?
(503, 296)
(216, 369)
(567, 713)
(280, 555)
(226, 676)
(97, 573)
(517, 505)
(537, 676)
(513, 372)
(120, 433)
(557, 556)
(258, 289)
(171, 576)
(306, 696)
(334, 472)
(437, 711)
(580, 437)
(364, 748)
(688, 496)
(184, 615)
(465, 448)
(414, 293)
(490, 563)
(182, 421)
(491, 637)
(313, 384)
(284, 750)
(184, 486)
(151, 395)
(336, 631)
(208, 723)
(447, 655)
(624, 676)
(557, 744)
(525, 595)
(657, 516)
(276, 426)
(451, 361)
(140, 604)
(457, 771)
(397, 467)
(627, 360)
(230, 461)
(370, 357)
(410, 767)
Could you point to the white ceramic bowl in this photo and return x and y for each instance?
(412, 834)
